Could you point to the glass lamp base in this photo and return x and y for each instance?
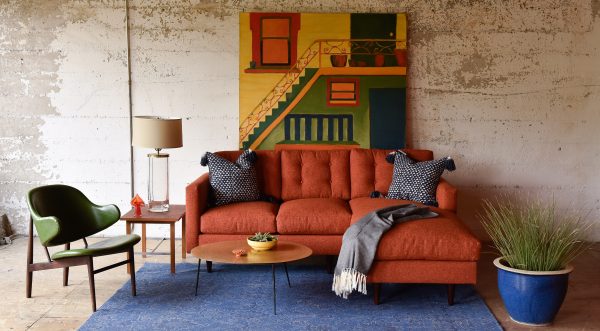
(158, 183)
(158, 206)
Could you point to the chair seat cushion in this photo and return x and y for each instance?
(441, 238)
(313, 216)
(240, 218)
(104, 247)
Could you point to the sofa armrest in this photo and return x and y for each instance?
(446, 195)
(196, 202)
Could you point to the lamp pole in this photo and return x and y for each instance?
(131, 161)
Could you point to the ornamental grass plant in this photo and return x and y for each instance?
(534, 236)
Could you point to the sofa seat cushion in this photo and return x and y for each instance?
(240, 218)
(313, 216)
(441, 238)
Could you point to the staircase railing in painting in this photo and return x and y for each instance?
(311, 128)
(320, 47)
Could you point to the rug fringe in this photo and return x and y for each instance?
(347, 281)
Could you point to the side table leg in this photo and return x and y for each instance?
(128, 231)
(183, 244)
(144, 240)
(197, 277)
(287, 274)
(274, 291)
(172, 248)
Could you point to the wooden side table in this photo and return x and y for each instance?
(175, 213)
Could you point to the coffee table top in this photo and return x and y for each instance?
(284, 251)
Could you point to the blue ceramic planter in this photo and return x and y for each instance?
(532, 297)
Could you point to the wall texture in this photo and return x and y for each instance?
(510, 89)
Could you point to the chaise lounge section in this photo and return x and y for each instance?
(322, 193)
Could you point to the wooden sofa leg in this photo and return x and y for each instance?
(376, 292)
(209, 266)
(450, 294)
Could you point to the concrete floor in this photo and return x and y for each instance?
(54, 307)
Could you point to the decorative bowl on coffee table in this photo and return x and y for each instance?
(262, 245)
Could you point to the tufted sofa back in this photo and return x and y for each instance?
(315, 174)
(342, 174)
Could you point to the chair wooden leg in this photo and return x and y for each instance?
(90, 266)
(450, 294)
(66, 270)
(29, 276)
(132, 269)
(376, 292)
(209, 266)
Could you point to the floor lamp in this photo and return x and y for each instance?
(157, 133)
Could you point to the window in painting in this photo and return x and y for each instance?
(342, 92)
(274, 39)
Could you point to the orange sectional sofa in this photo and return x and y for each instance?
(323, 193)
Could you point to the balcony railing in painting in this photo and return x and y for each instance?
(319, 128)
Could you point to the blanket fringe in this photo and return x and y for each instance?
(347, 281)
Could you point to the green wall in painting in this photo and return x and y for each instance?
(315, 102)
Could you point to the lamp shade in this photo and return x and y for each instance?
(156, 132)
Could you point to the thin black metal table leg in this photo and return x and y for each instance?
(274, 293)
(286, 274)
(197, 277)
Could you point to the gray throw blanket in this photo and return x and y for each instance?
(360, 241)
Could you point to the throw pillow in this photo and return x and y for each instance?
(416, 181)
(232, 182)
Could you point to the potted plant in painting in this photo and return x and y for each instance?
(400, 54)
(379, 60)
(536, 245)
(338, 60)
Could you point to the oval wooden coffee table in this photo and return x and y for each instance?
(221, 252)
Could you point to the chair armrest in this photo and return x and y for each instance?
(47, 228)
(105, 216)
(446, 195)
(196, 202)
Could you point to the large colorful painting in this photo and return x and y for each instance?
(322, 81)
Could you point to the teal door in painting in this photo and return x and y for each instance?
(387, 117)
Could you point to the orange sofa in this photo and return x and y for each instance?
(323, 193)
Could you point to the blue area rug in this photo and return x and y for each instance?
(240, 298)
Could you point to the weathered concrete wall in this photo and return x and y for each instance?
(511, 89)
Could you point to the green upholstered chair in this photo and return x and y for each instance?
(61, 215)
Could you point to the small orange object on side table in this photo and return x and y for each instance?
(174, 214)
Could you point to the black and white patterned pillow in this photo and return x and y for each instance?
(416, 181)
(232, 182)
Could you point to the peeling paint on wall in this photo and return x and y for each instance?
(510, 89)
(28, 74)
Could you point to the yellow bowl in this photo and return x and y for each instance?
(262, 245)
